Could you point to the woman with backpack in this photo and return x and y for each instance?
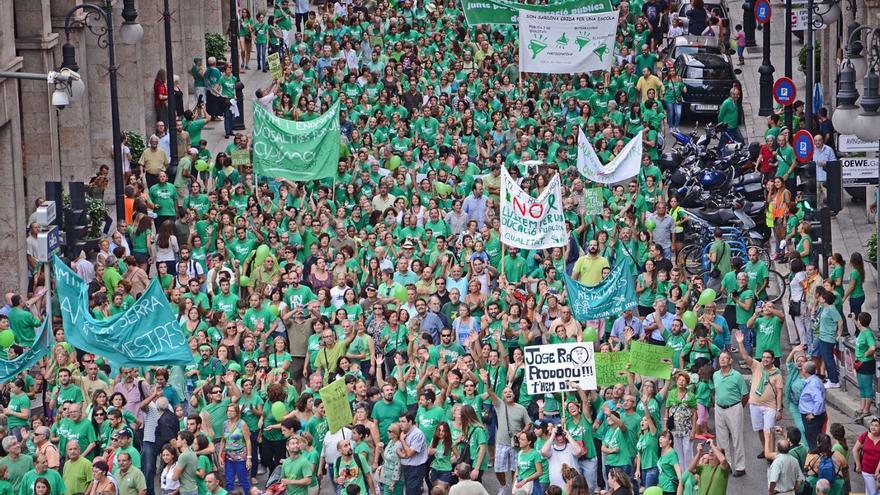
(472, 445)
(824, 463)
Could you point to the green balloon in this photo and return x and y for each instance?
(263, 252)
(690, 319)
(202, 165)
(706, 297)
(654, 490)
(278, 410)
(274, 310)
(393, 162)
(244, 281)
(7, 338)
(591, 334)
(650, 224)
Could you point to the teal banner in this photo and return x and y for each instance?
(610, 297)
(146, 334)
(9, 369)
(507, 12)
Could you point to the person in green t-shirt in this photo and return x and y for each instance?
(350, 470)
(713, 469)
(767, 324)
(744, 299)
(296, 469)
(187, 464)
(163, 197)
(668, 465)
(616, 443)
(830, 331)
(866, 346)
(854, 290)
(18, 411)
(22, 322)
(529, 468)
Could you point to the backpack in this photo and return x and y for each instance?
(357, 460)
(826, 470)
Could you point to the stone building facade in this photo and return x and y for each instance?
(39, 143)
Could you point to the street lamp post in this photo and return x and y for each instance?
(749, 23)
(766, 80)
(237, 122)
(130, 33)
(788, 114)
(847, 119)
(171, 125)
(819, 13)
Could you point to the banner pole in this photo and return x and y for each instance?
(502, 258)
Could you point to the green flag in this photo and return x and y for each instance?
(146, 334)
(651, 360)
(611, 368)
(296, 150)
(336, 405)
(505, 12)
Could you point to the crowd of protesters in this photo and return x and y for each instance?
(391, 276)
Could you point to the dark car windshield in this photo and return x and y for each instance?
(710, 73)
(690, 50)
(708, 6)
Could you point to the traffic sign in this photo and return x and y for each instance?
(48, 244)
(784, 91)
(803, 146)
(762, 11)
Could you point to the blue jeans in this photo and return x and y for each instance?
(589, 468)
(255, 453)
(414, 478)
(492, 425)
(748, 340)
(673, 114)
(855, 305)
(261, 57)
(149, 452)
(227, 121)
(239, 469)
(650, 477)
(826, 352)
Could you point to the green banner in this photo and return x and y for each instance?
(651, 360)
(275, 70)
(611, 368)
(609, 298)
(336, 405)
(9, 369)
(296, 150)
(146, 334)
(593, 201)
(505, 12)
(240, 158)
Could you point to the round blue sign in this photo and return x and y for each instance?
(803, 146)
(784, 91)
(762, 11)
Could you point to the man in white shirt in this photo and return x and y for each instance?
(465, 485)
(265, 97)
(821, 155)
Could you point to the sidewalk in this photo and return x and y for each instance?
(213, 131)
(851, 228)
